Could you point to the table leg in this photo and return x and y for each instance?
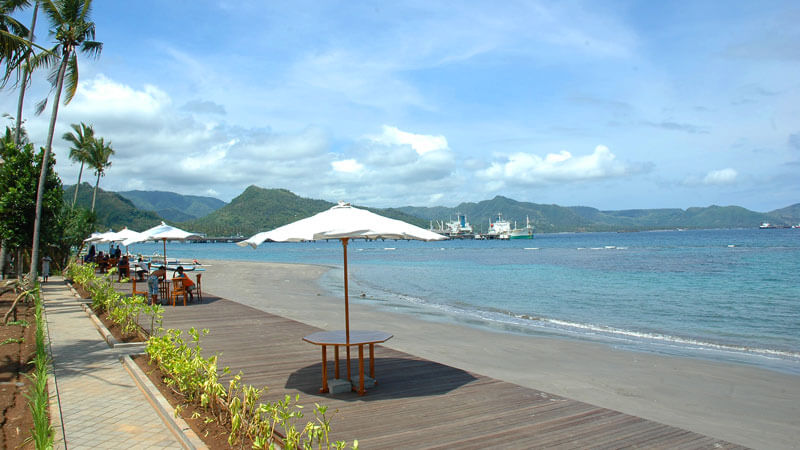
(348, 363)
(336, 364)
(372, 361)
(324, 371)
(361, 369)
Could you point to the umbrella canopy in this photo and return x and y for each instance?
(161, 232)
(122, 235)
(344, 222)
(96, 236)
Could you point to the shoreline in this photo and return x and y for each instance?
(747, 405)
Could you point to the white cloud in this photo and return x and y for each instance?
(347, 166)
(721, 177)
(530, 169)
(102, 96)
(421, 143)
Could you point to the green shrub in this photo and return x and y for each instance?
(196, 377)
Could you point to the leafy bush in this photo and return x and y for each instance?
(122, 310)
(239, 406)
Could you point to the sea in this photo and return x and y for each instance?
(723, 295)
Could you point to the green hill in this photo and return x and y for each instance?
(113, 210)
(172, 206)
(554, 218)
(258, 209)
(786, 216)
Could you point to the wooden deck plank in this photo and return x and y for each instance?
(417, 403)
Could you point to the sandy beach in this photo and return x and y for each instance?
(744, 405)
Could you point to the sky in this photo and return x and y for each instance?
(613, 104)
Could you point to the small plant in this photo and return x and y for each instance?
(42, 432)
(197, 379)
(13, 341)
(122, 310)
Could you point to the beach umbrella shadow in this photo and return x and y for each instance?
(397, 377)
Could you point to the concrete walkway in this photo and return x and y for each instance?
(100, 405)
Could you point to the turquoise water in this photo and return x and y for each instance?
(731, 295)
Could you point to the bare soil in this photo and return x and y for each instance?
(16, 353)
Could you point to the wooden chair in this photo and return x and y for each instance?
(163, 290)
(124, 272)
(198, 289)
(178, 289)
(135, 292)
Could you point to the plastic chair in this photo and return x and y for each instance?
(198, 289)
(178, 289)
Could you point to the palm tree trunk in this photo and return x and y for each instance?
(37, 223)
(94, 196)
(75, 197)
(25, 75)
(3, 252)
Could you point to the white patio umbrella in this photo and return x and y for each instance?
(343, 222)
(122, 235)
(96, 236)
(161, 232)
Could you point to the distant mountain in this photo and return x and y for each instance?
(113, 210)
(554, 218)
(174, 207)
(258, 209)
(788, 215)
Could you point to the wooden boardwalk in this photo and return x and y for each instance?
(417, 403)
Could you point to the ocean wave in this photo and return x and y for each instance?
(532, 323)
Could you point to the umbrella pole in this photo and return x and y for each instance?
(165, 254)
(346, 308)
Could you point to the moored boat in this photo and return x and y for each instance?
(522, 233)
(499, 229)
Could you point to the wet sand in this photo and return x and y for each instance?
(745, 405)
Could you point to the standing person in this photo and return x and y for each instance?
(188, 284)
(45, 268)
(152, 283)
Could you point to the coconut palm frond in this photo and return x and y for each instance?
(71, 79)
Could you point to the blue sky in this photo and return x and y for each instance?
(615, 105)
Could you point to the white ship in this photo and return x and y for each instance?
(499, 229)
(457, 229)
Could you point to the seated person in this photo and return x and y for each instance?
(102, 261)
(124, 268)
(152, 282)
(188, 284)
(90, 254)
(141, 269)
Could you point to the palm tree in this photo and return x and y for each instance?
(73, 31)
(99, 154)
(13, 44)
(81, 140)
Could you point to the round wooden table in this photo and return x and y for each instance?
(337, 339)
